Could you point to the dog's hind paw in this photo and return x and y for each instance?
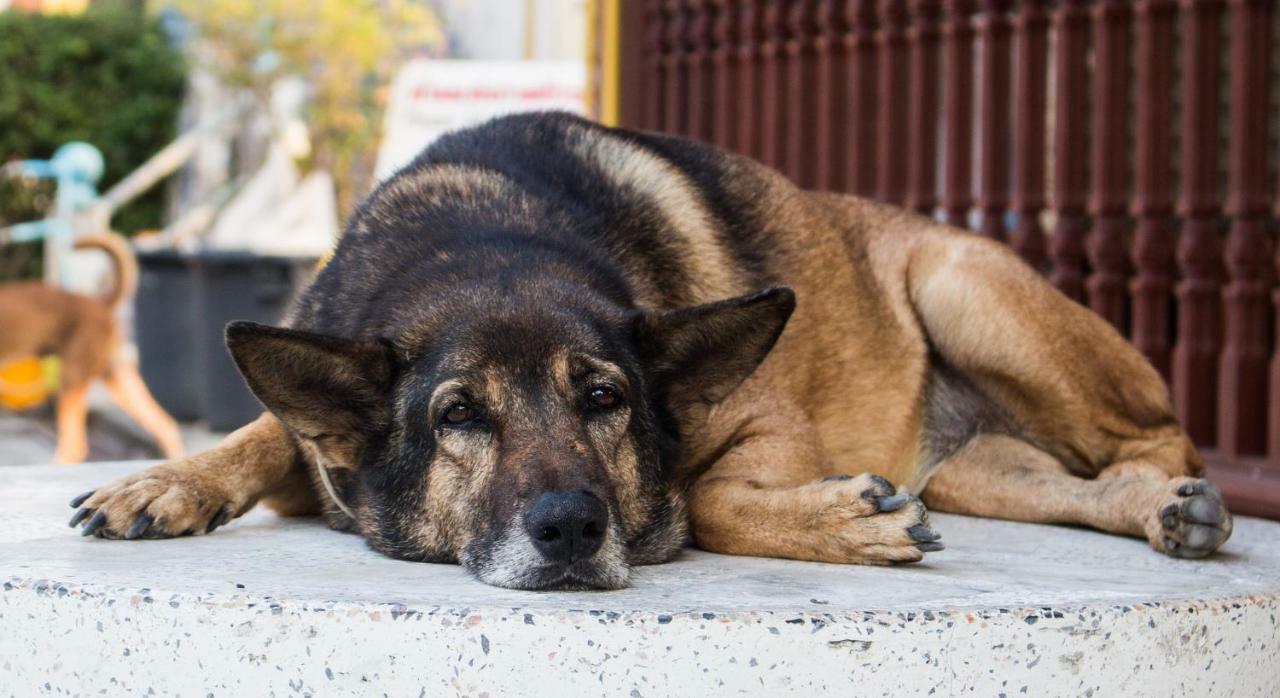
(159, 502)
(1192, 521)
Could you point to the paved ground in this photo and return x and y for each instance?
(29, 437)
(266, 605)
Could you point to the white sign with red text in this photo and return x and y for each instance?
(431, 97)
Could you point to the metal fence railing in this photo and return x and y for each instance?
(1120, 147)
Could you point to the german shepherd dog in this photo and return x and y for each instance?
(550, 350)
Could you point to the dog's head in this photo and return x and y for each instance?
(535, 443)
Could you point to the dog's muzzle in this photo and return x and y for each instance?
(561, 540)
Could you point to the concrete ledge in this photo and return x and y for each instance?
(274, 606)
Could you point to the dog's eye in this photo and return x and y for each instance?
(603, 397)
(459, 414)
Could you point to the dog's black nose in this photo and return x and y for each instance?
(567, 526)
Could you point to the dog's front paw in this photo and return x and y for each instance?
(159, 502)
(868, 522)
(1192, 521)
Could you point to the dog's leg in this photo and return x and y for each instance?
(1005, 478)
(131, 394)
(1069, 383)
(295, 495)
(73, 411)
(197, 494)
(767, 496)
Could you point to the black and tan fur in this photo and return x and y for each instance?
(515, 267)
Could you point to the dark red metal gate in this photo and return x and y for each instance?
(1088, 134)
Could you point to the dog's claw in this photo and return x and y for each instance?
(79, 499)
(930, 547)
(140, 524)
(879, 488)
(923, 534)
(79, 516)
(223, 515)
(98, 521)
(892, 502)
(882, 482)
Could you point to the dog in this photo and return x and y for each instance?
(40, 320)
(551, 351)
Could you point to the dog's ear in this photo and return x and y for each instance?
(700, 354)
(323, 388)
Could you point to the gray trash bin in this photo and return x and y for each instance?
(166, 330)
(237, 286)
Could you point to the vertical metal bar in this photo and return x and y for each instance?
(800, 151)
(923, 123)
(1106, 245)
(697, 37)
(957, 100)
(655, 65)
(748, 79)
(993, 106)
(772, 112)
(725, 90)
(1070, 174)
(1030, 106)
(1153, 245)
(829, 134)
(632, 70)
(673, 101)
(891, 44)
(860, 79)
(1242, 378)
(1195, 354)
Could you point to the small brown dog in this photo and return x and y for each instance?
(82, 330)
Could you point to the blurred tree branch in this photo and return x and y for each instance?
(347, 51)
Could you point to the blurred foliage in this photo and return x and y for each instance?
(107, 77)
(23, 200)
(347, 51)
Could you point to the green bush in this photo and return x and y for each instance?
(110, 78)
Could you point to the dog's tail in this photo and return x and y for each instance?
(122, 258)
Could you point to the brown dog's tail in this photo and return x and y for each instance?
(122, 258)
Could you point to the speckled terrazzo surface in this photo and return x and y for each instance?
(271, 606)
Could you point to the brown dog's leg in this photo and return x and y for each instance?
(131, 394)
(766, 496)
(295, 495)
(73, 410)
(1006, 478)
(197, 494)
